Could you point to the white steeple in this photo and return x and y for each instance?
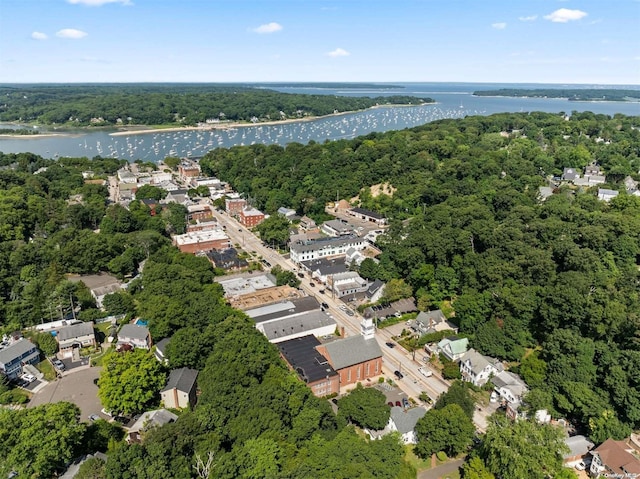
(367, 328)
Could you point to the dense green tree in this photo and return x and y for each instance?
(285, 277)
(458, 393)
(150, 192)
(366, 407)
(396, 289)
(474, 468)
(120, 302)
(33, 450)
(130, 380)
(46, 343)
(522, 449)
(274, 231)
(448, 429)
(93, 468)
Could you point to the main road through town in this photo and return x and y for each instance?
(394, 359)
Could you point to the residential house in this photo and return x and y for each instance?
(428, 322)
(287, 212)
(180, 391)
(177, 196)
(313, 368)
(368, 215)
(204, 240)
(160, 350)
(76, 336)
(404, 421)
(375, 291)
(355, 257)
(510, 389)
(17, 354)
(126, 176)
(544, 192)
(337, 228)
(607, 195)
(570, 174)
(631, 186)
(453, 348)
(355, 358)
(324, 248)
(148, 421)
(614, 459)
(226, 259)
(134, 336)
(477, 369)
(74, 467)
(308, 225)
(579, 447)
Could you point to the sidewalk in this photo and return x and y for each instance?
(441, 472)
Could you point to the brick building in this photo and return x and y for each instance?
(355, 358)
(199, 212)
(205, 240)
(251, 217)
(312, 367)
(234, 206)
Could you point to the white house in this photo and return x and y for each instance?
(508, 387)
(324, 248)
(477, 369)
(606, 195)
(403, 421)
(134, 336)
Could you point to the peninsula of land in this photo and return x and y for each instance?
(571, 94)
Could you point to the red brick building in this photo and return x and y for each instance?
(234, 206)
(251, 217)
(199, 212)
(205, 240)
(356, 358)
(302, 356)
(188, 169)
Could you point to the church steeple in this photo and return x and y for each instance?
(367, 328)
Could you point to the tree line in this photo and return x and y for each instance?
(167, 104)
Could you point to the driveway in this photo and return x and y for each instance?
(441, 472)
(78, 388)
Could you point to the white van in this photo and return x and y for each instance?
(425, 372)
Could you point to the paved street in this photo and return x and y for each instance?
(441, 472)
(78, 388)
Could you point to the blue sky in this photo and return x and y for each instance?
(542, 41)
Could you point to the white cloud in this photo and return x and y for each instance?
(39, 36)
(530, 18)
(98, 3)
(268, 28)
(499, 26)
(71, 33)
(338, 52)
(564, 15)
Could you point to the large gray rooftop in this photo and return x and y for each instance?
(283, 309)
(182, 379)
(75, 331)
(406, 419)
(302, 356)
(353, 350)
(304, 323)
(15, 350)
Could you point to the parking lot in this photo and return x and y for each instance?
(78, 388)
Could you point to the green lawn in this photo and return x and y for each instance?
(46, 368)
(415, 461)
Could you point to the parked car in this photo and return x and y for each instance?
(349, 312)
(398, 403)
(325, 305)
(390, 404)
(94, 417)
(321, 291)
(300, 275)
(405, 403)
(58, 364)
(581, 466)
(425, 372)
(29, 378)
(390, 344)
(398, 374)
(312, 284)
(343, 307)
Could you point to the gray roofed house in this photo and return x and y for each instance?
(323, 268)
(160, 349)
(570, 174)
(79, 335)
(180, 391)
(14, 356)
(135, 336)
(337, 228)
(453, 348)
(375, 291)
(607, 195)
(579, 446)
(147, 421)
(509, 387)
(477, 369)
(404, 421)
(353, 350)
(433, 321)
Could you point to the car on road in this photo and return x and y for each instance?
(390, 344)
(343, 307)
(94, 417)
(321, 291)
(398, 374)
(349, 312)
(240, 229)
(312, 284)
(300, 275)
(324, 305)
(425, 372)
(58, 364)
